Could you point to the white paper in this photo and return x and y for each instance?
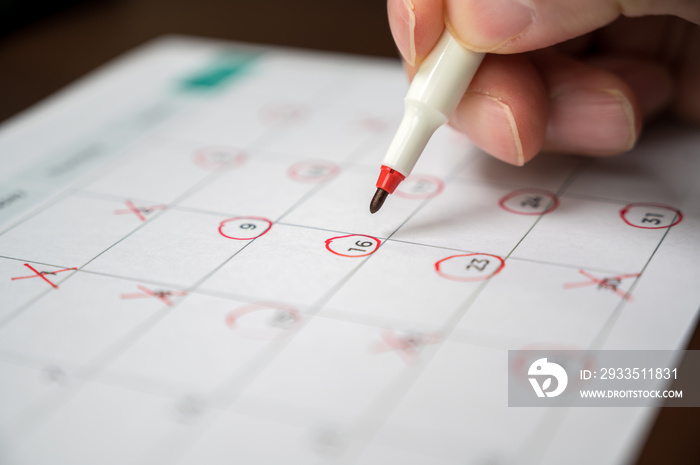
(191, 275)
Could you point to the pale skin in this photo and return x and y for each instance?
(569, 76)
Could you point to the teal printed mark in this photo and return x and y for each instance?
(222, 71)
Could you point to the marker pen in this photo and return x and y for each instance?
(432, 97)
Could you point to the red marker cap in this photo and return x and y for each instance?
(389, 179)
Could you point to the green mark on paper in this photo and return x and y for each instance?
(222, 71)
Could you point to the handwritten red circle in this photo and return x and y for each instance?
(205, 158)
(627, 208)
(376, 246)
(256, 218)
(295, 171)
(551, 195)
(438, 265)
(232, 318)
(437, 182)
(284, 112)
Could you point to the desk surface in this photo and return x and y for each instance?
(39, 59)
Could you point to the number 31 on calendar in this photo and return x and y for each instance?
(650, 215)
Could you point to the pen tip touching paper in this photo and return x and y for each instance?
(378, 200)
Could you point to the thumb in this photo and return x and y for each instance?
(416, 26)
(512, 26)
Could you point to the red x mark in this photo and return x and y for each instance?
(42, 274)
(407, 345)
(604, 283)
(139, 211)
(161, 295)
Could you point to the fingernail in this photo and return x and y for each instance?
(490, 124)
(651, 82)
(487, 25)
(591, 121)
(404, 30)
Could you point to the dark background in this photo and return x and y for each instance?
(46, 44)
(39, 56)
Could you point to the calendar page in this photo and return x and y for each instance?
(189, 273)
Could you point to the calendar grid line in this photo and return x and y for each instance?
(539, 431)
(85, 374)
(18, 311)
(92, 369)
(80, 268)
(567, 182)
(230, 390)
(332, 231)
(390, 398)
(206, 180)
(610, 322)
(308, 195)
(77, 188)
(548, 424)
(121, 157)
(259, 366)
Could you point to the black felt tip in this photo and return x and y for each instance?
(378, 200)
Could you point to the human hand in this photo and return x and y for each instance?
(562, 75)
